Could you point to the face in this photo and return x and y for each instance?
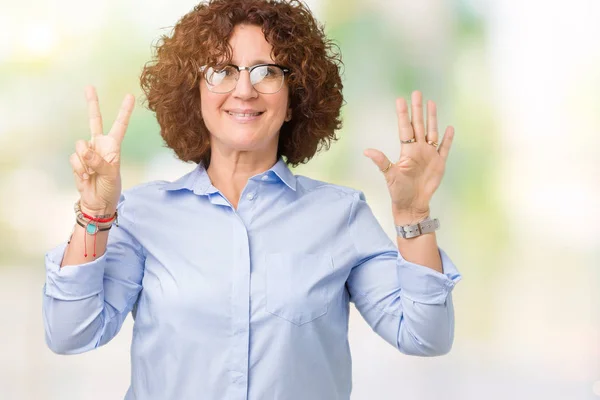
(225, 115)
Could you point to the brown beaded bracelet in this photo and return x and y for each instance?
(93, 224)
(99, 229)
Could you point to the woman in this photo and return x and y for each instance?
(239, 274)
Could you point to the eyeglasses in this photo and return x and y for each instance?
(265, 78)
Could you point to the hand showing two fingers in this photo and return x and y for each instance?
(96, 164)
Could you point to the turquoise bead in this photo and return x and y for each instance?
(91, 228)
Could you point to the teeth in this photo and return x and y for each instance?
(244, 115)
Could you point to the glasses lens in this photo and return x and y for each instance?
(221, 79)
(267, 78)
(264, 78)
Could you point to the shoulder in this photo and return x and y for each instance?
(309, 186)
(139, 197)
(145, 190)
(149, 196)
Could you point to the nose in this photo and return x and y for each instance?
(244, 89)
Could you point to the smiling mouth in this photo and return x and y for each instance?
(244, 115)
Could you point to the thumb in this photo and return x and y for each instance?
(96, 162)
(378, 158)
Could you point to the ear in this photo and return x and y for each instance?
(288, 116)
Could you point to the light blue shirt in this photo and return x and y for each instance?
(250, 303)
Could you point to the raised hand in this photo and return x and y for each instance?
(414, 178)
(96, 163)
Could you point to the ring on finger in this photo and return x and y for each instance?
(386, 168)
(433, 143)
(408, 141)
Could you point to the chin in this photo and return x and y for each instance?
(245, 138)
(244, 141)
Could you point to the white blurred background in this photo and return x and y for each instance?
(519, 205)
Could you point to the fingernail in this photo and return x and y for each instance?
(85, 176)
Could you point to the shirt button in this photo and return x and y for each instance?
(265, 177)
(250, 196)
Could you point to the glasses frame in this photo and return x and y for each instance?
(249, 69)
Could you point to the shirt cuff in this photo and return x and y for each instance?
(425, 285)
(72, 282)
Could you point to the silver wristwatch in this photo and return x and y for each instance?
(410, 231)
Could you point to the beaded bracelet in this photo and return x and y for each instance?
(83, 220)
(93, 225)
(80, 214)
(81, 224)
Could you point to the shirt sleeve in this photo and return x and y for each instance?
(407, 304)
(84, 305)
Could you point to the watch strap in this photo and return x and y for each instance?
(428, 225)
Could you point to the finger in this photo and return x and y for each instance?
(120, 125)
(97, 163)
(378, 158)
(444, 149)
(405, 129)
(418, 125)
(94, 112)
(432, 133)
(78, 168)
(81, 147)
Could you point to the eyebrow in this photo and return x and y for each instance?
(255, 62)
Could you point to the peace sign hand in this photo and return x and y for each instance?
(96, 163)
(414, 178)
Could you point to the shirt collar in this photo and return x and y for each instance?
(199, 182)
(281, 170)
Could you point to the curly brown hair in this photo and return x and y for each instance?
(201, 37)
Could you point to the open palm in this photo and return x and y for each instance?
(417, 174)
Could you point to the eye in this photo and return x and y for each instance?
(226, 70)
(216, 75)
(268, 71)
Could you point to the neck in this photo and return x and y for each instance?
(230, 173)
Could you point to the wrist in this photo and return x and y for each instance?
(422, 227)
(102, 212)
(409, 217)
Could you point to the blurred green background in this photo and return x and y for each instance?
(519, 204)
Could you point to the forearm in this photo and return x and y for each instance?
(426, 329)
(84, 248)
(73, 303)
(73, 326)
(86, 300)
(423, 249)
(82, 243)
